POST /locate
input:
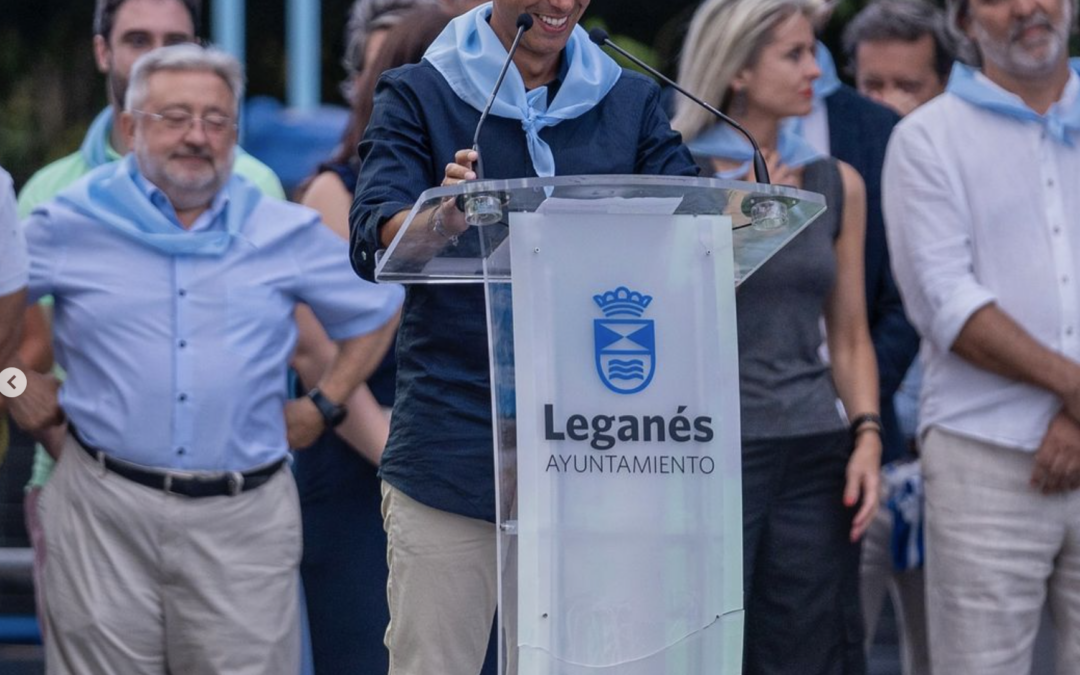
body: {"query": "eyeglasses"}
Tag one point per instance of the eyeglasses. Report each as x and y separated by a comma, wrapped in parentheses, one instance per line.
(213, 124)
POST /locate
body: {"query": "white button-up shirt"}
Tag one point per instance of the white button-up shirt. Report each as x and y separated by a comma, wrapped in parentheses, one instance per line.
(13, 263)
(982, 208)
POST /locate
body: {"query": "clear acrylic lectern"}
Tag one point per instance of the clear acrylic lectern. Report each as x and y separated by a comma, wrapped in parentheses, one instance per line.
(614, 370)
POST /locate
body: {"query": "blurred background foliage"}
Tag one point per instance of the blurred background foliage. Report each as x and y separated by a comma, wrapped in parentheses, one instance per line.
(50, 89)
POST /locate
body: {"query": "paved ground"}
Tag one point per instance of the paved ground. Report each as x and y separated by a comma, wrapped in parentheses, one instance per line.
(884, 659)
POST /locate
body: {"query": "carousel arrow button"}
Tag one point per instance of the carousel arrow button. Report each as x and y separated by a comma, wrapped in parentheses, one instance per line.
(12, 382)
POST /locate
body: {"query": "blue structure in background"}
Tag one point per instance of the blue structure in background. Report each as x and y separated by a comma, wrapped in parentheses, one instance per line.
(291, 142)
(303, 47)
(294, 140)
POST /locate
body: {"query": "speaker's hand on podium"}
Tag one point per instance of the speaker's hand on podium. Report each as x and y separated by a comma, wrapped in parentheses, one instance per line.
(448, 221)
(461, 169)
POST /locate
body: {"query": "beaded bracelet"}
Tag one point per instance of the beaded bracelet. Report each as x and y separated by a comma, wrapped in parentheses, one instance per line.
(437, 228)
(864, 422)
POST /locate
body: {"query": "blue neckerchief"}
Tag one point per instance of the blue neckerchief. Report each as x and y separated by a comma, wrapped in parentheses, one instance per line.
(95, 148)
(725, 142)
(1060, 121)
(829, 81)
(111, 196)
(469, 56)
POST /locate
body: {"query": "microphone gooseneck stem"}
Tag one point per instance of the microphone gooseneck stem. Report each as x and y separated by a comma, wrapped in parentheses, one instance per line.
(761, 170)
(524, 23)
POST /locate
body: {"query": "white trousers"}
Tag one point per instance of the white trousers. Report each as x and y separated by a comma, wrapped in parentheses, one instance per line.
(997, 550)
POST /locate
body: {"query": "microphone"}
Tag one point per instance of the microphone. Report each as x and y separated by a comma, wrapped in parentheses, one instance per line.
(487, 209)
(761, 171)
(766, 211)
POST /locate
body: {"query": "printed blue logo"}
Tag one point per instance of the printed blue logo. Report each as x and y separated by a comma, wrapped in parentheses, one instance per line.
(625, 347)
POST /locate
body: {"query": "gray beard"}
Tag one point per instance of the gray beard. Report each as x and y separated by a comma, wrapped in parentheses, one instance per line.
(1012, 58)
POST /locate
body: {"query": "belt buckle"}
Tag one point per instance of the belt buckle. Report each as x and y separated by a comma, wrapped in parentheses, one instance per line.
(235, 482)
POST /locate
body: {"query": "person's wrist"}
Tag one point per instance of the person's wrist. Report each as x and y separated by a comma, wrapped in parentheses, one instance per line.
(864, 423)
(332, 413)
(438, 227)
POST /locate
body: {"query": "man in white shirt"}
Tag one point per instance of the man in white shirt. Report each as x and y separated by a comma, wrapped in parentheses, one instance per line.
(978, 203)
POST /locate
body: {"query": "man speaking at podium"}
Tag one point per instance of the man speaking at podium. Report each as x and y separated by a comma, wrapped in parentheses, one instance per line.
(565, 108)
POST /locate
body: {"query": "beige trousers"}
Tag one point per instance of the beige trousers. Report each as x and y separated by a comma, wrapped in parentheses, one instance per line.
(441, 588)
(996, 551)
(142, 582)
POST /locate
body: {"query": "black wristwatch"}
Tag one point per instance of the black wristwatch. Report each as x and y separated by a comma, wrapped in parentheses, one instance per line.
(333, 414)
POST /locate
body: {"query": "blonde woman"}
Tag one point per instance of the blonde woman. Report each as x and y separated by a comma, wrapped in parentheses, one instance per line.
(810, 475)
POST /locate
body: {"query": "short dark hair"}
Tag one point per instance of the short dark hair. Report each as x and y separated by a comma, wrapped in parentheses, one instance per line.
(105, 15)
(904, 21)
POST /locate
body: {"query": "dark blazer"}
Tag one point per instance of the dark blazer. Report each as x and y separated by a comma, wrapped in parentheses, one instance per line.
(858, 133)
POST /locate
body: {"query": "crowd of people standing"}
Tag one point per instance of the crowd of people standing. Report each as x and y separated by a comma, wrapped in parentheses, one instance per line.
(244, 439)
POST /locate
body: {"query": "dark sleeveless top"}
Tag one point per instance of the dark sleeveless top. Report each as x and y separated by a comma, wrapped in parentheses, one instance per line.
(785, 388)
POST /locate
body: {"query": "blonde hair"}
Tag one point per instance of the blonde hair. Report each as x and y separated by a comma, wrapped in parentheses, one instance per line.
(725, 36)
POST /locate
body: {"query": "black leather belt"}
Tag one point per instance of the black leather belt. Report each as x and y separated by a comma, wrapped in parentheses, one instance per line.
(229, 483)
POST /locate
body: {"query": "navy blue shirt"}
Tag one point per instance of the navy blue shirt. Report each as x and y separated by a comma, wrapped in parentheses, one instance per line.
(440, 450)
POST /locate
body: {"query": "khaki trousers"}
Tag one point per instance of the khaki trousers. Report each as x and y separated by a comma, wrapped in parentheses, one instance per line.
(996, 551)
(144, 582)
(441, 588)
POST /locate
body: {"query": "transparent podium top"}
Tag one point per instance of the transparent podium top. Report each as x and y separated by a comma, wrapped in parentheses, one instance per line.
(458, 234)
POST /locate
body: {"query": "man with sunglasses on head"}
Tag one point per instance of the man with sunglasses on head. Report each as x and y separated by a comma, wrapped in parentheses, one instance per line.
(172, 521)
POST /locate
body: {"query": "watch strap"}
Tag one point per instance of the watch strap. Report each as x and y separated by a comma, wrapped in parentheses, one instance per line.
(333, 414)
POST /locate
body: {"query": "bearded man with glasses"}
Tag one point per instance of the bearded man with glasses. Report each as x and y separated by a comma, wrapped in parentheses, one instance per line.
(980, 211)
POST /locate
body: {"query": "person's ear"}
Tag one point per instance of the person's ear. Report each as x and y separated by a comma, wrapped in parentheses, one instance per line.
(127, 128)
(102, 54)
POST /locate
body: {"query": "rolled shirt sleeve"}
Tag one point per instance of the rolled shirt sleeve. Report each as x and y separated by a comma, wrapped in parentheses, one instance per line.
(345, 305)
(930, 236)
(396, 148)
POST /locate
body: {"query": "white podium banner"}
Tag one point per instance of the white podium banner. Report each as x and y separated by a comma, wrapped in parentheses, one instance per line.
(629, 524)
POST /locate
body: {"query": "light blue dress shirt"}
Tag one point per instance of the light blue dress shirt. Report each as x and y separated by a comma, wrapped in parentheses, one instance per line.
(180, 362)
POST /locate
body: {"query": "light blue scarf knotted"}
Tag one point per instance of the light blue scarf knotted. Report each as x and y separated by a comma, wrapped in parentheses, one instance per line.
(95, 148)
(111, 195)
(1060, 122)
(469, 55)
(724, 142)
